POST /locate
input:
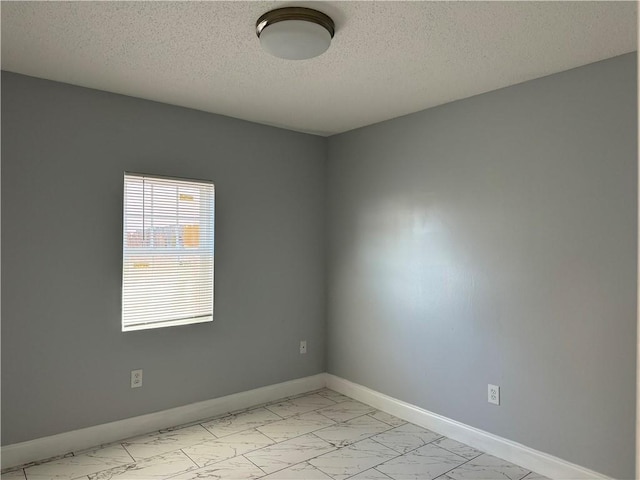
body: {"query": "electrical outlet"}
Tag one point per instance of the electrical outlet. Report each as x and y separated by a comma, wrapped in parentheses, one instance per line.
(136, 378)
(494, 394)
(303, 347)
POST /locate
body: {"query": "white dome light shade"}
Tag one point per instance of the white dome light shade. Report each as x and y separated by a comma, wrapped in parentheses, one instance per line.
(295, 33)
(295, 39)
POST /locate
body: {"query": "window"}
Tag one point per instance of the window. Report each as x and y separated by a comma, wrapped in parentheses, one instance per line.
(167, 252)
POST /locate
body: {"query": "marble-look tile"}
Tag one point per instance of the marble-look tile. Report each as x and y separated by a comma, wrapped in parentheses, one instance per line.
(238, 468)
(154, 444)
(238, 422)
(341, 412)
(355, 458)
(386, 418)
(407, 437)
(425, 463)
(282, 455)
(335, 396)
(80, 465)
(352, 431)
(155, 468)
(458, 448)
(15, 475)
(301, 471)
(295, 426)
(487, 467)
(371, 474)
(299, 405)
(535, 476)
(230, 446)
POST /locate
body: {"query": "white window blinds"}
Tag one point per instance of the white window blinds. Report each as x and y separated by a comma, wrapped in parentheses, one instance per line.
(167, 266)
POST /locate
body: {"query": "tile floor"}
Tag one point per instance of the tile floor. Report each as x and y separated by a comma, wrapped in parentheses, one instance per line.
(315, 436)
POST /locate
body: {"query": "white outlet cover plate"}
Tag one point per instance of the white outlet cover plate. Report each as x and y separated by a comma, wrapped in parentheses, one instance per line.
(493, 394)
(136, 378)
(303, 346)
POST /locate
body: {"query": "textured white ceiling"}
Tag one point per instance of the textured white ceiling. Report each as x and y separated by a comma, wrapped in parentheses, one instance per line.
(387, 58)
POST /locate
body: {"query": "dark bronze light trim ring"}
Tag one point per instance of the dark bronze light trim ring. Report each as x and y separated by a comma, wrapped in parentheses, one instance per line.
(294, 13)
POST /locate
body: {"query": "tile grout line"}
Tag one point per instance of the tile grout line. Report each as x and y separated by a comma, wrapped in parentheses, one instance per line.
(262, 433)
(419, 446)
(451, 469)
(382, 473)
(225, 459)
(24, 472)
(429, 443)
(432, 442)
(446, 449)
(464, 463)
(390, 448)
(292, 417)
(293, 438)
(24, 466)
(393, 426)
(186, 471)
(192, 460)
(320, 413)
(347, 446)
(181, 450)
(469, 460)
(372, 467)
(339, 423)
(243, 430)
(323, 428)
(257, 466)
(125, 449)
(358, 416)
(266, 407)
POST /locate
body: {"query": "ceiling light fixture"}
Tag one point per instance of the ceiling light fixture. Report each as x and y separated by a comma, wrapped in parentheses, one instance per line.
(295, 33)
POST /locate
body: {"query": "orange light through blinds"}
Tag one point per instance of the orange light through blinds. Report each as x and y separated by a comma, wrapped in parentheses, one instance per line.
(167, 266)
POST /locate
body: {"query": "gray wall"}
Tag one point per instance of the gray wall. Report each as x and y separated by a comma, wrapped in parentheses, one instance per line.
(493, 240)
(65, 362)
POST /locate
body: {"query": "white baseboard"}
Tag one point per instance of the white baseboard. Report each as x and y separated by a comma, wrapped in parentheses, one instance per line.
(76, 440)
(519, 454)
